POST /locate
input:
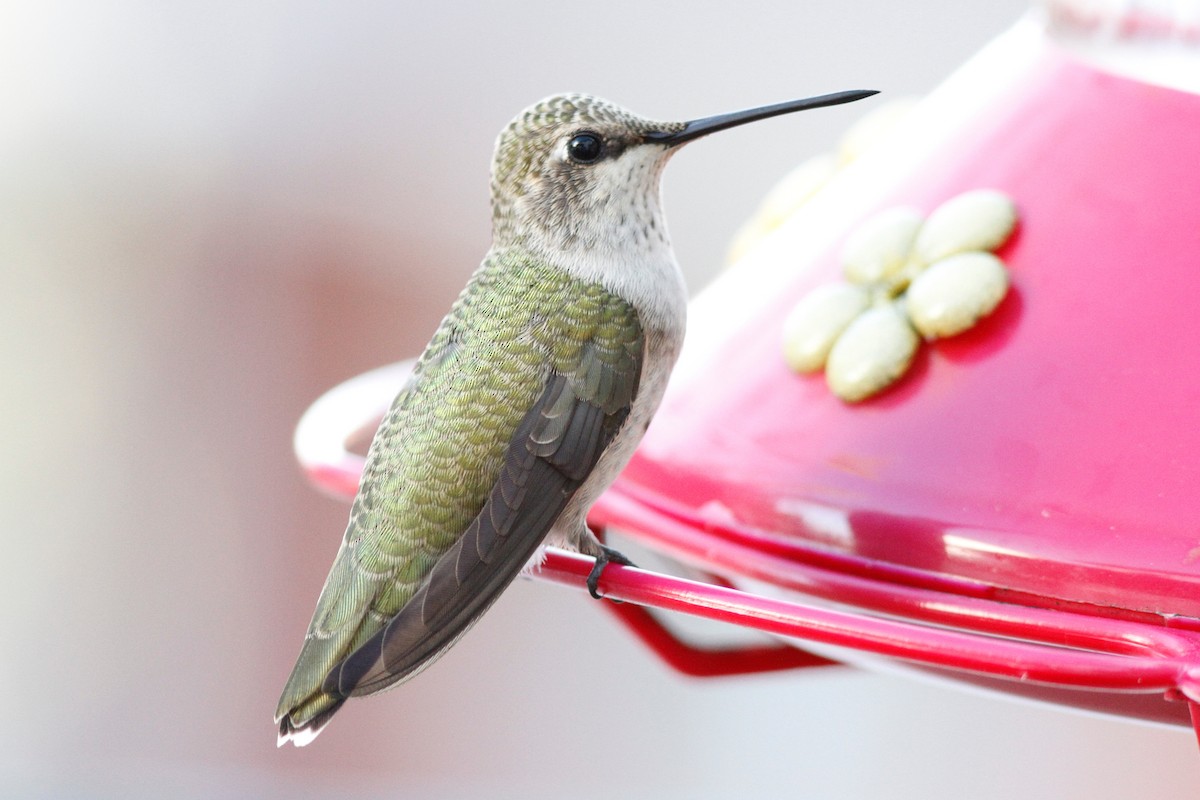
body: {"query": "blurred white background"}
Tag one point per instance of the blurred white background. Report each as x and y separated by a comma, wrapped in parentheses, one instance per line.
(212, 212)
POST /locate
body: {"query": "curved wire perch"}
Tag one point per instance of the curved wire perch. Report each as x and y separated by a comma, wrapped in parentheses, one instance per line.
(1158, 670)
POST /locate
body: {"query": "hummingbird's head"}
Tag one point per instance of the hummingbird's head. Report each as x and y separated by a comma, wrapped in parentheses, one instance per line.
(576, 172)
(571, 168)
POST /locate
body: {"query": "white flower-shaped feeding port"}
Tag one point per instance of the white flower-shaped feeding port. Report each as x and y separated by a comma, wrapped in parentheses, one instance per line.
(906, 277)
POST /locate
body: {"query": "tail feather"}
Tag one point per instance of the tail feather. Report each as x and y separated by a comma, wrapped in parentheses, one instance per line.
(301, 725)
(340, 622)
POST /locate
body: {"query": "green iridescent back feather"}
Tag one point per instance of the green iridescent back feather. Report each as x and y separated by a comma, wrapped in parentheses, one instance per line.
(438, 451)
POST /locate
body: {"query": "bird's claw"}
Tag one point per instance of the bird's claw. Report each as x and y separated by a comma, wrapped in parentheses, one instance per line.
(607, 554)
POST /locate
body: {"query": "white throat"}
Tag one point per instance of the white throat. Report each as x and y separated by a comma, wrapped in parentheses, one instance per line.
(620, 240)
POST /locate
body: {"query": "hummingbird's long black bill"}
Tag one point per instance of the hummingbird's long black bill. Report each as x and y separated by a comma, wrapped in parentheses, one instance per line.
(701, 127)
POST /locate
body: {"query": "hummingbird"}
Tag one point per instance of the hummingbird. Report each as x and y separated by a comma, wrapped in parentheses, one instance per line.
(525, 405)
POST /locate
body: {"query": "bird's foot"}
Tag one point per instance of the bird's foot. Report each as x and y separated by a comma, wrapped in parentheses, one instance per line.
(607, 554)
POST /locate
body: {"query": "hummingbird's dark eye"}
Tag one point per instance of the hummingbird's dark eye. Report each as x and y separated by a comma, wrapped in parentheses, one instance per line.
(585, 148)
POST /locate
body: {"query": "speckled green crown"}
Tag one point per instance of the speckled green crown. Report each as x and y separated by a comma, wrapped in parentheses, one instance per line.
(565, 109)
